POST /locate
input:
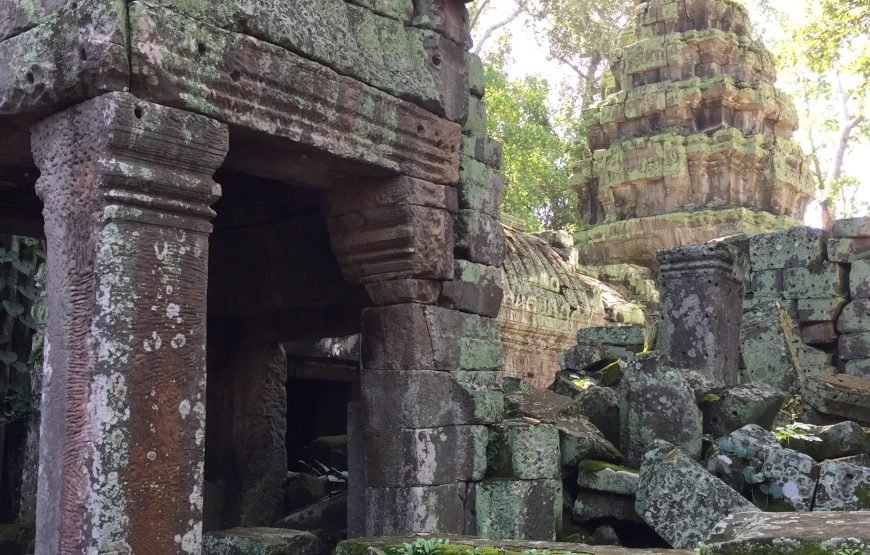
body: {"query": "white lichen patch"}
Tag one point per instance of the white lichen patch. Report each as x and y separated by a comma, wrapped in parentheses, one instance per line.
(184, 408)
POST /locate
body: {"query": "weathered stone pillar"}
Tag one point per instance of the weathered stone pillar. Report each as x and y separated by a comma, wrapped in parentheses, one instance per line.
(126, 186)
(700, 310)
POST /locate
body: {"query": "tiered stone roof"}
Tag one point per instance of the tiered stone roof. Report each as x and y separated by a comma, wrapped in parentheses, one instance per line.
(695, 124)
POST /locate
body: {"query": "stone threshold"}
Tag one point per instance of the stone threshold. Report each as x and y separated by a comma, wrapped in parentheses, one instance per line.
(461, 545)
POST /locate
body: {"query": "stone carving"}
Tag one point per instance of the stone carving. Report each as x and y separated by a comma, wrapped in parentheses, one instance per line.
(696, 124)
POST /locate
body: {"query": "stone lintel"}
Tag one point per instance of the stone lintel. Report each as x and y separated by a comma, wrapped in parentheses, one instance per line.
(126, 186)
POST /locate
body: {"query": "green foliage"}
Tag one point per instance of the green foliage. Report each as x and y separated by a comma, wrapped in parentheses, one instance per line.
(421, 546)
(850, 551)
(539, 148)
(795, 430)
(841, 27)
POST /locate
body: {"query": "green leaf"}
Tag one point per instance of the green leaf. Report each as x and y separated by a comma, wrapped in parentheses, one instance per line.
(13, 308)
(8, 357)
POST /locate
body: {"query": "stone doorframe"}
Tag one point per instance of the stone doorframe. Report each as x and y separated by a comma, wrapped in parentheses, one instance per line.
(127, 187)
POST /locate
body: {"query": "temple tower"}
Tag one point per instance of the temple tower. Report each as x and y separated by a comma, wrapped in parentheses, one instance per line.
(695, 141)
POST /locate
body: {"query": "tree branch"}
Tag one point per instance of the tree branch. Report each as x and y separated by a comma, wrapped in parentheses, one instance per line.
(496, 26)
(479, 10)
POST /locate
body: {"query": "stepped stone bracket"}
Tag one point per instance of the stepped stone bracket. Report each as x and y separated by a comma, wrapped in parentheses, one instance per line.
(701, 309)
(126, 187)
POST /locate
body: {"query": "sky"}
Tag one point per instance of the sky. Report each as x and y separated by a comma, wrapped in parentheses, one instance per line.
(529, 53)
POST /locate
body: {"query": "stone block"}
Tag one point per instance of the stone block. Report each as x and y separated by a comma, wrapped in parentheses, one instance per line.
(579, 439)
(404, 510)
(741, 405)
(767, 347)
(353, 196)
(630, 337)
(789, 481)
(845, 251)
(518, 509)
(828, 280)
(483, 149)
(790, 533)
(826, 309)
(426, 457)
(475, 288)
(475, 125)
(859, 279)
(596, 505)
(797, 247)
(842, 395)
(851, 227)
(700, 309)
(476, 76)
(582, 356)
(819, 333)
(656, 403)
(422, 337)
(766, 283)
(479, 238)
(262, 541)
(854, 346)
(680, 500)
(600, 476)
(840, 440)
(403, 291)
(860, 368)
(523, 451)
(429, 399)
(445, 17)
(855, 317)
(480, 187)
(326, 516)
(601, 406)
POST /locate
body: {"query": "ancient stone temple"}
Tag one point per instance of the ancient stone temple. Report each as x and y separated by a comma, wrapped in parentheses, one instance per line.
(695, 141)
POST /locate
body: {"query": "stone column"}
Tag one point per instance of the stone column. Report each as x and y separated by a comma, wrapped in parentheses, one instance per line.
(700, 310)
(126, 187)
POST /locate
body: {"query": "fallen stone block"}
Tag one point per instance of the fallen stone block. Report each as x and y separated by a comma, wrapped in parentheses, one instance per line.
(841, 395)
(605, 477)
(741, 454)
(583, 356)
(767, 347)
(790, 533)
(601, 406)
(262, 541)
(846, 250)
(860, 368)
(840, 440)
(656, 403)
(853, 346)
(328, 514)
(680, 500)
(595, 505)
(518, 509)
(741, 405)
(523, 451)
(329, 450)
(787, 481)
(855, 317)
(843, 487)
(462, 545)
(851, 227)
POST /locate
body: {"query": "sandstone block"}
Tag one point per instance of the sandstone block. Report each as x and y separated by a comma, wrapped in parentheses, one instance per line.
(789, 480)
(326, 516)
(859, 279)
(825, 309)
(476, 76)
(629, 337)
(840, 440)
(582, 356)
(656, 403)
(601, 406)
(595, 505)
(523, 451)
(843, 487)
(475, 125)
(794, 248)
(479, 238)
(680, 500)
(790, 533)
(860, 368)
(422, 337)
(766, 283)
(741, 405)
(426, 457)
(428, 399)
(475, 288)
(852, 227)
(262, 541)
(600, 476)
(352, 196)
(767, 347)
(854, 346)
(829, 280)
(845, 251)
(404, 510)
(842, 395)
(819, 333)
(855, 317)
(518, 509)
(483, 149)
(403, 291)
(480, 187)
(445, 17)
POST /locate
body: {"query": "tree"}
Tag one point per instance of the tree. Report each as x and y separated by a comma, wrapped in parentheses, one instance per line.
(538, 151)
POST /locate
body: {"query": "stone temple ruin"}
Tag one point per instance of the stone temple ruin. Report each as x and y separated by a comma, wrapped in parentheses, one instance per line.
(283, 315)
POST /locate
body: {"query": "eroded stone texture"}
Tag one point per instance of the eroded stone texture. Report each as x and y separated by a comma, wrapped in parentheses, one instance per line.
(741, 405)
(508, 547)
(833, 442)
(701, 307)
(843, 487)
(694, 123)
(797, 533)
(789, 480)
(767, 347)
(127, 187)
(656, 403)
(262, 541)
(415, 509)
(522, 509)
(680, 500)
(523, 451)
(844, 396)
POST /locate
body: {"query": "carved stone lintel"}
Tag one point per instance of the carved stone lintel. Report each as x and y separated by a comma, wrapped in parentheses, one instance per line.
(701, 307)
(126, 187)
